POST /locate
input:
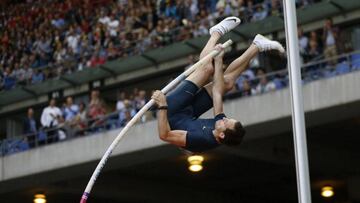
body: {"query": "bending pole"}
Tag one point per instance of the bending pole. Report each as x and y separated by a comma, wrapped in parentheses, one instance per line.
(146, 107)
(298, 121)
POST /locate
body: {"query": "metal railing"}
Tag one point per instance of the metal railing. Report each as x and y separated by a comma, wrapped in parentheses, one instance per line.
(311, 72)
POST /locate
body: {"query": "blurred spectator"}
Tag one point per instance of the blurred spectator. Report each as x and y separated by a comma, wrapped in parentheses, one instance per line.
(72, 40)
(9, 79)
(58, 22)
(112, 26)
(276, 7)
(28, 72)
(80, 120)
(120, 105)
(112, 51)
(330, 37)
(303, 43)
(247, 75)
(127, 113)
(140, 100)
(50, 118)
(96, 60)
(64, 129)
(264, 85)
(37, 77)
(30, 128)
(96, 108)
(82, 112)
(313, 51)
(19, 74)
(259, 14)
(246, 89)
(70, 110)
(126, 118)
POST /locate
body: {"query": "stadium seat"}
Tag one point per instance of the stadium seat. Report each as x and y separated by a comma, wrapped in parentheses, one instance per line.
(9, 83)
(342, 68)
(355, 61)
(279, 83)
(42, 136)
(15, 145)
(328, 73)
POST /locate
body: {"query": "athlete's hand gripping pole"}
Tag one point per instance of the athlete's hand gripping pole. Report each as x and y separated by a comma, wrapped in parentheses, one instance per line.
(146, 107)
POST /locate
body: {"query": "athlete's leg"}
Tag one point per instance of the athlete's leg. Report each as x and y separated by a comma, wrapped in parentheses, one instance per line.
(201, 76)
(259, 44)
(202, 101)
(235, 69)
(239, 65)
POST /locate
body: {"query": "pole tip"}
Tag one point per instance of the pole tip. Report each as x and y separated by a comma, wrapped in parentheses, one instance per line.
(84, 197)
(227, 43)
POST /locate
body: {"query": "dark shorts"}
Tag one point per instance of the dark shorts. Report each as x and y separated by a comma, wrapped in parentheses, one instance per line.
(187, 101)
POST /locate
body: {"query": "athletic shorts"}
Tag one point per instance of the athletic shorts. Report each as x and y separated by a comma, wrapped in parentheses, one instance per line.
(187, 100)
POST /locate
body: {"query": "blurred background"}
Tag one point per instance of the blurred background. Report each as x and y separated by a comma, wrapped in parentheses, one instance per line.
(73, 73)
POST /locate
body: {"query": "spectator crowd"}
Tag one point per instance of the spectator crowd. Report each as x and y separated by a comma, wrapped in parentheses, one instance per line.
(77, 119)
(43, 39)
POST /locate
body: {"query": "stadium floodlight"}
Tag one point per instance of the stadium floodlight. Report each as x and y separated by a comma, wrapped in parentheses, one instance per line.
(297, 106)
(139, 114)
(195, 162)
(327, 191)
(39, 198)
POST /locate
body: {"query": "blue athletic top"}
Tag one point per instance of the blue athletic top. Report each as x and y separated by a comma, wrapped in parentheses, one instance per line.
(186, 103)
(200, 135)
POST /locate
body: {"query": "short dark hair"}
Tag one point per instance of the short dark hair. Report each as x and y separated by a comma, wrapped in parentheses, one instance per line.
(234, 136)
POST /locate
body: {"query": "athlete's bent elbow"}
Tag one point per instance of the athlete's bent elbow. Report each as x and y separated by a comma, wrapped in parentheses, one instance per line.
(163, 136)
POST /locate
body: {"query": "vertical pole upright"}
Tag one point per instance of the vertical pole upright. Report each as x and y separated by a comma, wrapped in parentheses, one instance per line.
(298, 121)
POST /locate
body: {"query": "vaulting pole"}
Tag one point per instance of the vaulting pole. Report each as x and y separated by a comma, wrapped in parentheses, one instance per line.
(298, 121)
(165, 90)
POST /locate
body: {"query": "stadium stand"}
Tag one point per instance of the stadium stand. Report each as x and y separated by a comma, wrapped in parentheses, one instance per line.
(73, 31)
(38, 44)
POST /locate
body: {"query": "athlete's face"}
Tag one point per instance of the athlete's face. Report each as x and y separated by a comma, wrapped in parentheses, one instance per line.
(225, 123)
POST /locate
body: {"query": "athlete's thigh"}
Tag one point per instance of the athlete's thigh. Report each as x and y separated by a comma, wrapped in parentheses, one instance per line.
(181, 97)
(203, 99)
(202, 102)
(201, 75)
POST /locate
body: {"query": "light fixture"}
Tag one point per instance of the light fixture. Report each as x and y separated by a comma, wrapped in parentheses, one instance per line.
(327, 191)
(195, 163)
(39, 198)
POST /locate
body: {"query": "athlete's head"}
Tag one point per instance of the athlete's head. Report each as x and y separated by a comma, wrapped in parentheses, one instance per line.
(230, 131)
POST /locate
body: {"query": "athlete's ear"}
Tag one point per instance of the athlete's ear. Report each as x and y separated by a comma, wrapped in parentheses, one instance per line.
(222, 135)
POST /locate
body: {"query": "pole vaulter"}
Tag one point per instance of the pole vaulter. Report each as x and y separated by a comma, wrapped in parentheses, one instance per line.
(195, 87)
(143, 110)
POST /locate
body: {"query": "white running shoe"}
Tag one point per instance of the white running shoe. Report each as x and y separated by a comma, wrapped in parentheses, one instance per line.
(264, 44)
(225, 25)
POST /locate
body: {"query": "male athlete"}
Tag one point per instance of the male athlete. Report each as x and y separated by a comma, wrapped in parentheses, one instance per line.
(179, 111)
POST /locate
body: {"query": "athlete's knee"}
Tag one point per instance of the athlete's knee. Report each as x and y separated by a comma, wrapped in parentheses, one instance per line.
(208, 69)
(229, 83)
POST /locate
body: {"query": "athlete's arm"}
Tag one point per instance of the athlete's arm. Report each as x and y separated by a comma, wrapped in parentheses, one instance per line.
(175, 137)
(218, 87)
